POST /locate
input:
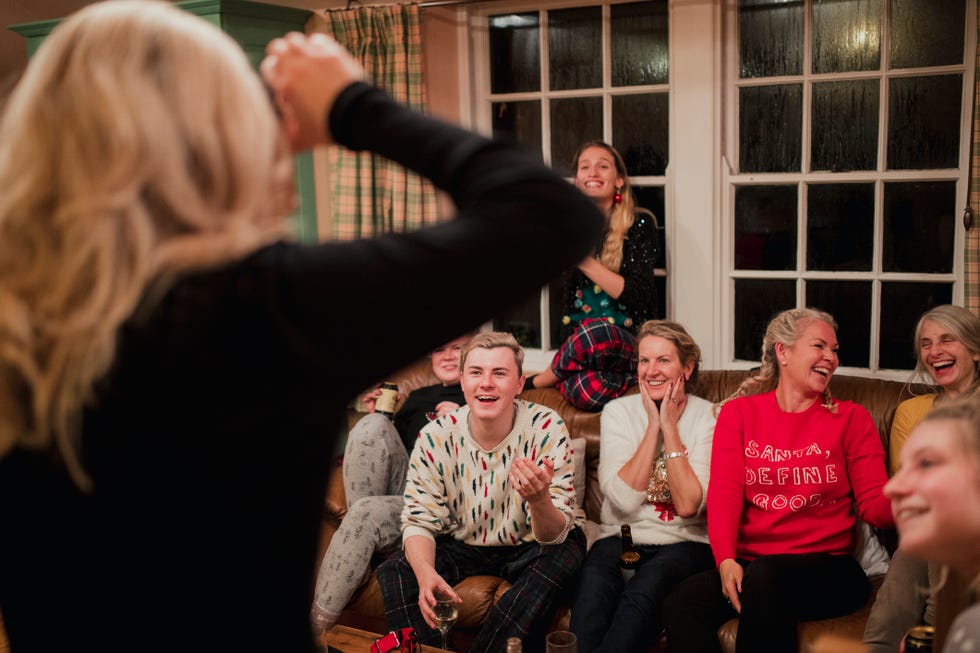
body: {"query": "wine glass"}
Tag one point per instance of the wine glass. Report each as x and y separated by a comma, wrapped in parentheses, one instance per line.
(446, 613)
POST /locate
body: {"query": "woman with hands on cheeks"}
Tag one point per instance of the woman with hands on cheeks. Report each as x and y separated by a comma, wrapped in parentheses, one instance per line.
(788, 468)
(653, 470)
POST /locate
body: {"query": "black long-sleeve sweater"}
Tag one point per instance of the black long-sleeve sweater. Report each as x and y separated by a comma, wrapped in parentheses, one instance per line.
(208, 441)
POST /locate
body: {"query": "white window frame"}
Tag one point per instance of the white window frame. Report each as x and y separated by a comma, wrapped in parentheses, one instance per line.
(730, 178)
(482, 99)
(698, 184)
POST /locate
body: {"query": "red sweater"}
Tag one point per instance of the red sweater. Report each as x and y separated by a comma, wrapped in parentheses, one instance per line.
(786, 482)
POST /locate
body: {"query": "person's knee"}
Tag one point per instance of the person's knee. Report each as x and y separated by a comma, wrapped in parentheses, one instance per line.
(361, 510)
(366, 430)
(372, 510)
(761, 576)
(374, 520)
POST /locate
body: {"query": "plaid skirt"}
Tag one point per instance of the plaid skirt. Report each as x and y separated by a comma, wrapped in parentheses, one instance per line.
(596, 364)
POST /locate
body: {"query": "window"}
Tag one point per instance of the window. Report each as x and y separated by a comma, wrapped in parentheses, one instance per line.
(814, 152)
(848, 153)
(555, 78)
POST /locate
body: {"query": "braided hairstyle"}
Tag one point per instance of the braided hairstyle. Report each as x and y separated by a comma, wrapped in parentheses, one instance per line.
(622, 216)
(785, 328)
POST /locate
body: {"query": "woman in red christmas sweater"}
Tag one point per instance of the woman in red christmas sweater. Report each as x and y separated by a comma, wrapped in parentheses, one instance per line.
(788, 469)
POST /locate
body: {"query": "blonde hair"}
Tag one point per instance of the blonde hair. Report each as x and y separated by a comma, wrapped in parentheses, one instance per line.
(622, 215)
(965, 411)
(492, 340)
(786, 329)
(139, 145)
(965, 326)
(688, 350)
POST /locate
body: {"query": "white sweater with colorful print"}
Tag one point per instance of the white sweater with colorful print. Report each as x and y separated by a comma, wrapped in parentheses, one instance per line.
(455, 487)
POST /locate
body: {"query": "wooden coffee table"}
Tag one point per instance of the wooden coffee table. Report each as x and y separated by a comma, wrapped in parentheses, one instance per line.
(352, 640)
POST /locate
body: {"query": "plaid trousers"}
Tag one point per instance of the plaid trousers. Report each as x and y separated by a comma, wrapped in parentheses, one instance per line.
(539, 575)
(595, 364)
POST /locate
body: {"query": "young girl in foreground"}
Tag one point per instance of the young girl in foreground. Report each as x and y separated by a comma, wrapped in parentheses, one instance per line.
(936, 501)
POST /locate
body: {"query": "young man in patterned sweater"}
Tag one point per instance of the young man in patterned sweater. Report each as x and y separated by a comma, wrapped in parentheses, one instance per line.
(489, 492)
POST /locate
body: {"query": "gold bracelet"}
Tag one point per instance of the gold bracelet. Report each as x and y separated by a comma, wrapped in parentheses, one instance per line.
(676, 454)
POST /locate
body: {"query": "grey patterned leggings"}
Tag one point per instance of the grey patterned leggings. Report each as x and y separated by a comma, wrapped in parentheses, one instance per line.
(375, 463)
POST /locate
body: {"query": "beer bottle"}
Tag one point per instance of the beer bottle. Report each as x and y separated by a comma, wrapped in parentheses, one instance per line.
(919, 639)
(385, 403)
(629, 559)
(514, 645)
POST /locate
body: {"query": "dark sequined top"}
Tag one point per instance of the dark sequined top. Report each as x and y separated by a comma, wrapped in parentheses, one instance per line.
(638, 301)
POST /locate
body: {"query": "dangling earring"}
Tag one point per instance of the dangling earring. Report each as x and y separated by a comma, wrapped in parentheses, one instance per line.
(618, 197)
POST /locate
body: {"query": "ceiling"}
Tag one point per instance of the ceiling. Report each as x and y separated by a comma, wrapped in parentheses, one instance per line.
(13, 48)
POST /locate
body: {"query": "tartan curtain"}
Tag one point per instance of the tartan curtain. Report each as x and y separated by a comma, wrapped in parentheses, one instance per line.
(972, 253)
(372, 195)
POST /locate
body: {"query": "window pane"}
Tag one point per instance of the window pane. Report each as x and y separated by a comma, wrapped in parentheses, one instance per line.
(573, 121)
(846, 35)
(639, 43)
(519, 122)
(840, 227)
(640, 132)
(765, 227)
(844, 132)
(514, 53)
(924, 122)
(756, 302)
(575, 48)
(850, 304)
(651, 198)
(770, 122)
(926, 32)
(770, 38)
(901, 306)
(524, 322)
(919, 220)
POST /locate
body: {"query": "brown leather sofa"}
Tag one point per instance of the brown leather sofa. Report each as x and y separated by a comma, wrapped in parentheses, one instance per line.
(366, 610)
